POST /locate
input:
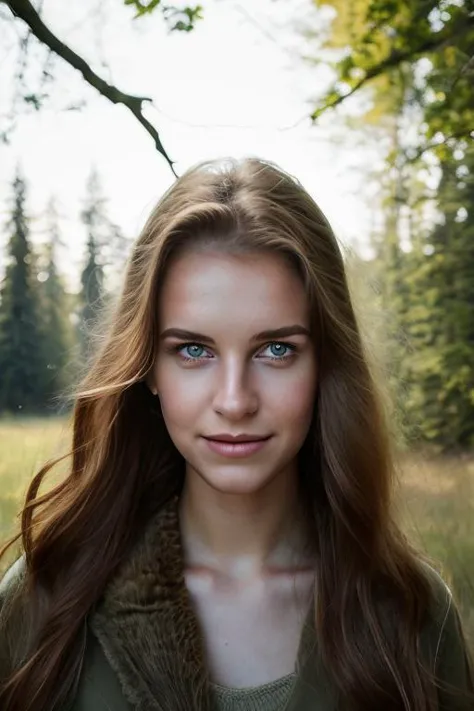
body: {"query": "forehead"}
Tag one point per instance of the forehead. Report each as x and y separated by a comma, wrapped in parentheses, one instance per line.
(214, 288)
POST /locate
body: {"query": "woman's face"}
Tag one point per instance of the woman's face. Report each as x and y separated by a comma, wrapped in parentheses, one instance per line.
(225, 379)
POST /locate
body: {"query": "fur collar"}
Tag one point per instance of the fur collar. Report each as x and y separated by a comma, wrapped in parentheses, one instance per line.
(150, 634)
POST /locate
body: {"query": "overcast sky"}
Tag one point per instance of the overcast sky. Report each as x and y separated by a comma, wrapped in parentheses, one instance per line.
(235, 86)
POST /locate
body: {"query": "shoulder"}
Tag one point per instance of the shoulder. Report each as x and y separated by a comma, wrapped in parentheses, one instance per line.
(441, 594)
(446, 647)
(442, 612)
(12, 579)
(13, 616)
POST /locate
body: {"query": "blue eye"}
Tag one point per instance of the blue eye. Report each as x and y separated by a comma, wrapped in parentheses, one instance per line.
(279, 355)
(195, 356)
(277, 347)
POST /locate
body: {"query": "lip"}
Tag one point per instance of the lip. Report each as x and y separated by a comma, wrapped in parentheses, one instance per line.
(224, 437)
(236, 449)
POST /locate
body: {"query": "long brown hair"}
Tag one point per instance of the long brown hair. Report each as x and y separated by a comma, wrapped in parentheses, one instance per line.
(371, 589)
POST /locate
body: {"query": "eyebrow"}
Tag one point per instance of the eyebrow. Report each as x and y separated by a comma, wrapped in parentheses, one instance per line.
(285, 331)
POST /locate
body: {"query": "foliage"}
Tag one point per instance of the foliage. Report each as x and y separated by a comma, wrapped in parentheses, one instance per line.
(440, 323)
(381, 37)
(414, 60)
(92, 277)
(55, 321)
(106, 253)
(177, 19)
(45, 330)
(23, 366)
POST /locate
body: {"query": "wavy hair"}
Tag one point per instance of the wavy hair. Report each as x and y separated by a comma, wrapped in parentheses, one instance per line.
(372, 592)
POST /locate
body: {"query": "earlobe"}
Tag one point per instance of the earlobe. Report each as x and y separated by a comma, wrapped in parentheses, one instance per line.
(151, 387)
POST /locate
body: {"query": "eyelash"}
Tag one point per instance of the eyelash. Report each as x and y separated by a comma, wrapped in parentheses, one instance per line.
(293, 348)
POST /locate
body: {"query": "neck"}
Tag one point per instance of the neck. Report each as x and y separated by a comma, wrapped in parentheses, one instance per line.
(243, 533)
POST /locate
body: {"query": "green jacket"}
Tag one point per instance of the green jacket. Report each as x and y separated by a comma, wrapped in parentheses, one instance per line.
(144, 650)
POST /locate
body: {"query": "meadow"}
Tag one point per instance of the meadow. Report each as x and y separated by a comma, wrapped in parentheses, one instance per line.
(435, 501)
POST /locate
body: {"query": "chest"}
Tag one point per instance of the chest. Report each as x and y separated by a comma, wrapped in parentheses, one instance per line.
(251, 631)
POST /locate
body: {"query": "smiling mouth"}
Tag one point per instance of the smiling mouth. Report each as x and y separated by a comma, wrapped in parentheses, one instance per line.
(236, 449)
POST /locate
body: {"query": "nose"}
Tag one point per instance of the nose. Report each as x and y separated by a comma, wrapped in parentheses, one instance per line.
(235, 395)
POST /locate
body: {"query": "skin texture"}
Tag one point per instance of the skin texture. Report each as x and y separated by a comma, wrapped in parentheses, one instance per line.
(248, 569)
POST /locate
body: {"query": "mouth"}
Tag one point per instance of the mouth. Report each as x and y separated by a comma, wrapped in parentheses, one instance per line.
(236, 449)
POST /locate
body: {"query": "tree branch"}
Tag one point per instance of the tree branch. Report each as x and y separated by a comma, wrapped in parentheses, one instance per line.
(467, 68)
(465, 133)
(434, 42)
(24, 10)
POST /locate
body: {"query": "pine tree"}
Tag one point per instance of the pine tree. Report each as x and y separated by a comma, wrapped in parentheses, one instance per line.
(441, 323)
(22, 361)
(92, 277)
(55, 316)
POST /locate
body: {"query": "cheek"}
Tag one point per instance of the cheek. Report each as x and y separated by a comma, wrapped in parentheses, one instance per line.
(295, 403)
(179, 405)
(182, 397)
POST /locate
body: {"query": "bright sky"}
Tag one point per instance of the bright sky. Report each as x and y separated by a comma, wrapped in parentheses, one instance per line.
(235, 86)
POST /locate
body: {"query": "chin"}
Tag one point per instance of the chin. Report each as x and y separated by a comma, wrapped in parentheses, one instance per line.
(237, 483)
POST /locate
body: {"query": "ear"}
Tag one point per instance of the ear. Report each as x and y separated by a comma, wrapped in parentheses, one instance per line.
(151, 385)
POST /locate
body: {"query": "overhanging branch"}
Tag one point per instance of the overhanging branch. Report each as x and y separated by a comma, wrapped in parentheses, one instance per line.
(466, 133)
(436, 41)
(24, 10)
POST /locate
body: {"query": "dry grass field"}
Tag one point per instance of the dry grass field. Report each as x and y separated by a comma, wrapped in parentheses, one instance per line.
(436, 500)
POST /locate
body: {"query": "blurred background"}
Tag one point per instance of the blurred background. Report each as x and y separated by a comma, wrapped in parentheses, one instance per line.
(369, 103)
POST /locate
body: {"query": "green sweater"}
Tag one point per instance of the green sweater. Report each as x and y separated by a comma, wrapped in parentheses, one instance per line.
(269, 697)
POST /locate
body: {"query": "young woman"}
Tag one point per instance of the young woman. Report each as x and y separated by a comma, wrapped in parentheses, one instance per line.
(224, 539)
